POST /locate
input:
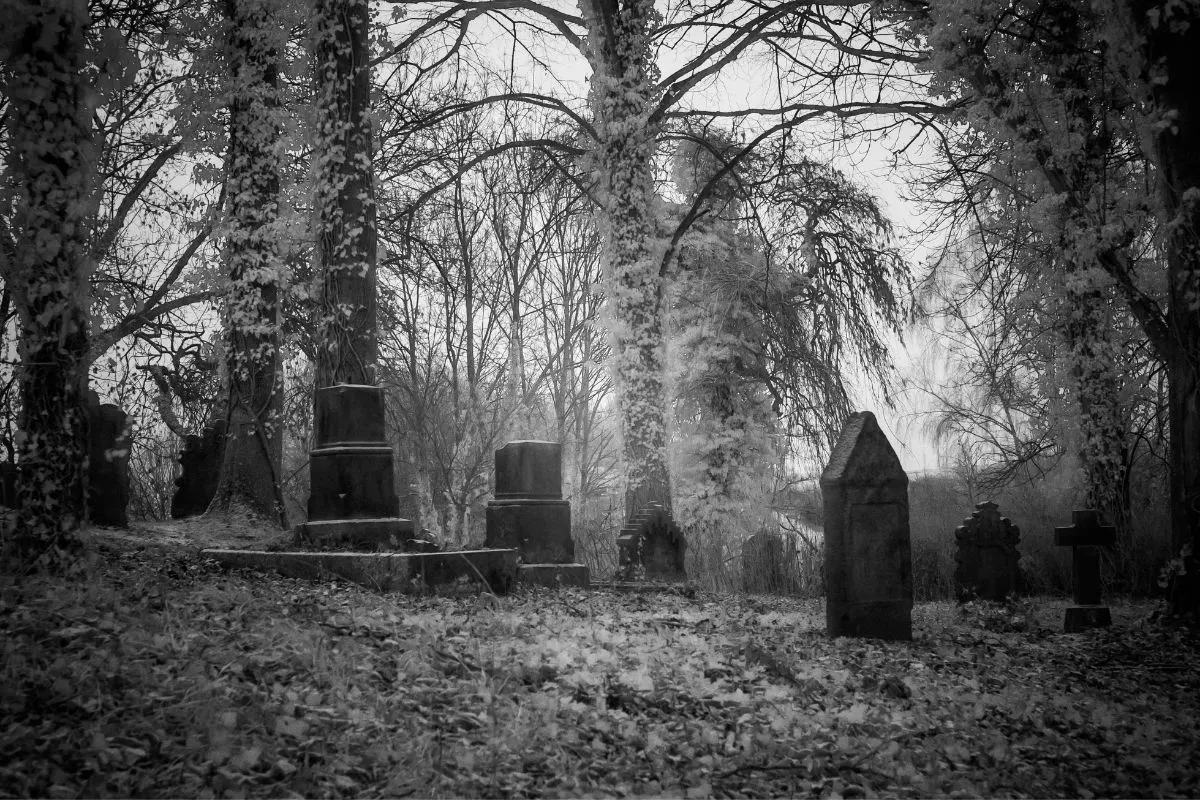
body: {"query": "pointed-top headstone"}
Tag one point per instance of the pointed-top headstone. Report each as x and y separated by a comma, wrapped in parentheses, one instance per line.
(868, 560)
(863, 455)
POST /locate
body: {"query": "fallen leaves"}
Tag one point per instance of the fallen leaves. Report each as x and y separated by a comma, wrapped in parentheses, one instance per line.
(171, 679)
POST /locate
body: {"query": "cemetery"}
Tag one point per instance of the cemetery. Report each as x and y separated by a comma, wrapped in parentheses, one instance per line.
(611, 398)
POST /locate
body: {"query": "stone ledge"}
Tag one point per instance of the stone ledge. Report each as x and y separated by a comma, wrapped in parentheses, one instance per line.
(388, 533)
(685, 588)
(553, 575)
(386, 572)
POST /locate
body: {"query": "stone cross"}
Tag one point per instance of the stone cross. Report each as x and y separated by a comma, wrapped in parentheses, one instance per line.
(868, 557)
(1085, 538)
(987, 555)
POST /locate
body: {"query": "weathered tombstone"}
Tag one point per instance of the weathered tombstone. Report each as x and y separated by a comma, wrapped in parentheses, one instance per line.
(108, 463)
(1085, 538)
(987, 555)
(651, 547)
(529, 514)
(200, 462)
(769, 564)
(868, 558)
(8, 484)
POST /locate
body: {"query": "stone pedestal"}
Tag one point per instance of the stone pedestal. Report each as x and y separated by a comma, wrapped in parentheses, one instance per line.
(1085, 538)
(352, 497)
(868, 557)
(529, 514)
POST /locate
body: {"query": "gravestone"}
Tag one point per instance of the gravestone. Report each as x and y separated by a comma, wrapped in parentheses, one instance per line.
(200, 462)
(8, 484)
(108, 463)
(1085, 538)
(868, 558)
(529, 514)
(987, 555)
(769, 564)
(651, 547)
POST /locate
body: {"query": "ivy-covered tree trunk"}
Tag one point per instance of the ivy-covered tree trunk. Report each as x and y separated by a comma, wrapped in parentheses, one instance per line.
(622, 99)
(251, 468)
(345, 195)
(1172, 42)
(51, 158)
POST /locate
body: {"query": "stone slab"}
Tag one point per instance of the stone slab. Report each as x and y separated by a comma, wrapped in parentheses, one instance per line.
(553, 575)
(412, 573)
(364, 534)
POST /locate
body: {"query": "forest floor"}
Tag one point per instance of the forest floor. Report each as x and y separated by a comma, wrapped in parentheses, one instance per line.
(153, 673)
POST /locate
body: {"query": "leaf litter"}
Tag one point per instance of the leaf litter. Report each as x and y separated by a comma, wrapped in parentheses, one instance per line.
(161, 675)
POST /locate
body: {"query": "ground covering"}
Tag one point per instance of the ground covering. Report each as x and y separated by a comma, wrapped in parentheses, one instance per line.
(154, 673)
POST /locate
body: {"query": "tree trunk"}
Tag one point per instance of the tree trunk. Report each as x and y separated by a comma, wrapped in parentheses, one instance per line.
(1174, 46)
(345, 195)
(51, 158)
(622, 99)
(252, 464)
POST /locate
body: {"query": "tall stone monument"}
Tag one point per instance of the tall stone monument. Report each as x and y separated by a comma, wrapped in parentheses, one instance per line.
(868, 559)
(986, 559)
(530, 515)
(352, 494)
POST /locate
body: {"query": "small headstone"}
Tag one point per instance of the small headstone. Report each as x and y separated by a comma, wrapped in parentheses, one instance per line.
(1085, 538)
(987, 555)
(651, 547)
(8, 484)
(529, 514)
(201, 469)
(769, 564)
(868, 558)
(108, 463)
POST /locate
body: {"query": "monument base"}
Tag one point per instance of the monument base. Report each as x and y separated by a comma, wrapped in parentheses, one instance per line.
(553, 575)
(890, 619)
(1082, 618)
(540, 529)
(387, 534)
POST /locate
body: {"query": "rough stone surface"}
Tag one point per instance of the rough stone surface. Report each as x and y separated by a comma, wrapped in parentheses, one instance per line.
(412, 573)
(868, 559)
(651, 547)
(200, 463)
(1085, 538)
(108, 463)
(987, 555)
